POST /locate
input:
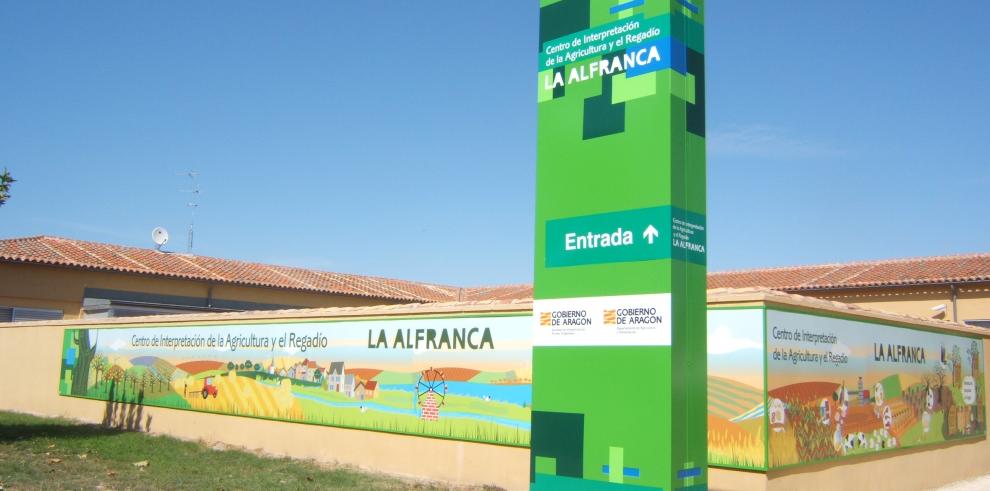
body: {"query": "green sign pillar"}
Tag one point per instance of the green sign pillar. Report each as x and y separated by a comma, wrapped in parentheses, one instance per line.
(619, 383)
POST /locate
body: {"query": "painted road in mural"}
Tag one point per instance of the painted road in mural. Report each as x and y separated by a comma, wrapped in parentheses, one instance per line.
(839, 387)
(465, 378)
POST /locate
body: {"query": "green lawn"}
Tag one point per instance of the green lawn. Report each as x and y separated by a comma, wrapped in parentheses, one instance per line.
(44, 453)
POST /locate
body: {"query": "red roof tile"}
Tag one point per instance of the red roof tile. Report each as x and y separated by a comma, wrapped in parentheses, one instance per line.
(58, 251)
(501, 292)
(864, 274)
(891, 272)
(108, 257)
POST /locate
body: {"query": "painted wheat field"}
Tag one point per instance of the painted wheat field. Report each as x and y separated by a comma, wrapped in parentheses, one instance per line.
(735, 424)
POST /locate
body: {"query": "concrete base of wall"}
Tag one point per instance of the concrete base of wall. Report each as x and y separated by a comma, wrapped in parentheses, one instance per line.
(922, 468)
(733, 480)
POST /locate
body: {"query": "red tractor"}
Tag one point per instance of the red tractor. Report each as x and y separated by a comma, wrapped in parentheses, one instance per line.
(208, 388)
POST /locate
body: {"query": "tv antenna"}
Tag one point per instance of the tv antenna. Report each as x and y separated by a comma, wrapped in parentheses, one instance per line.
(192, 205)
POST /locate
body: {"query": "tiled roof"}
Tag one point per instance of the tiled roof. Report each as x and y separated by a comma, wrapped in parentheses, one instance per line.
(107, 257)
(891, 272)
(501, 292)
(728, 296)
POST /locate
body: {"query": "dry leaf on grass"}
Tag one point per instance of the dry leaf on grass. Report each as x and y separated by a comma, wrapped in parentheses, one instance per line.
(111, 473)
(142, 464)
(54, 461)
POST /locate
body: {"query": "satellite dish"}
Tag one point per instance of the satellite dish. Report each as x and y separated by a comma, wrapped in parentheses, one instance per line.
(160, 236)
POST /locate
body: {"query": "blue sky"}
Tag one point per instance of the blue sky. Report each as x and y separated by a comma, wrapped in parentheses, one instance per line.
(398, 138)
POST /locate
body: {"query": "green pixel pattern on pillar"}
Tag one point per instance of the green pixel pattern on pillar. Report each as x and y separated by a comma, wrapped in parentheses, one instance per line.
(619, 394)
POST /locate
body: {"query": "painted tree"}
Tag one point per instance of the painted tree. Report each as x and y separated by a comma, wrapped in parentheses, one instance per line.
(257, 367)
(165, 372)
(230, 365)
(974, 357)
(97, 368)
(940, 375)
(5, 182)
(956, 359)
(123, 384)
(115, 375)
(80, 372)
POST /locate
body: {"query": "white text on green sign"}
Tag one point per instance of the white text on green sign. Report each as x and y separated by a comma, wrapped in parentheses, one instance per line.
(641, 234)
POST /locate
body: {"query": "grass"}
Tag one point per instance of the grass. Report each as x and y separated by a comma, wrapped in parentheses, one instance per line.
(46, 453)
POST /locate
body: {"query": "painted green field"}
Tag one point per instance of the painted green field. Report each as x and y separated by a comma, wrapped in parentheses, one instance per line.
(460, 429)
(728, 398)
(453, 403)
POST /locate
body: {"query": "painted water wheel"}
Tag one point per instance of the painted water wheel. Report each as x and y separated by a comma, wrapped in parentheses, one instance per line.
(432, 382)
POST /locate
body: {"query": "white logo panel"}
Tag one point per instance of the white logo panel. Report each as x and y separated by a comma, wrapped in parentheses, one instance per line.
(623, 320)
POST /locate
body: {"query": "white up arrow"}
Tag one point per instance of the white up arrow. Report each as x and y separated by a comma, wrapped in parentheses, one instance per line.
(650, 233)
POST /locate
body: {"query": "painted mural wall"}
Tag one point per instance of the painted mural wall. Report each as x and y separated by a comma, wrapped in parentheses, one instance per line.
(840, 387)
(736, 427)
(463, 378)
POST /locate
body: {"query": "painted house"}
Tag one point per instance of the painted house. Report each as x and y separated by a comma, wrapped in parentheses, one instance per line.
(335, 378)
(314, 370)
(347, 388)
(365, 390)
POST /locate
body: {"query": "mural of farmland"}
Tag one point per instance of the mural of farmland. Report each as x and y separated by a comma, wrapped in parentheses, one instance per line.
(458, 378)
(841, 388)
(736, 428)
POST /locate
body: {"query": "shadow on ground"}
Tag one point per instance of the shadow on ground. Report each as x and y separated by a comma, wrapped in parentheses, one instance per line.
(118, 417)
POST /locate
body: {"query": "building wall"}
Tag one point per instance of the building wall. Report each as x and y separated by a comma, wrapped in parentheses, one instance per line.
(34, 351)
(38, 345)
(48, 287)
(913, 468)
(972, 302)
(916, 468)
